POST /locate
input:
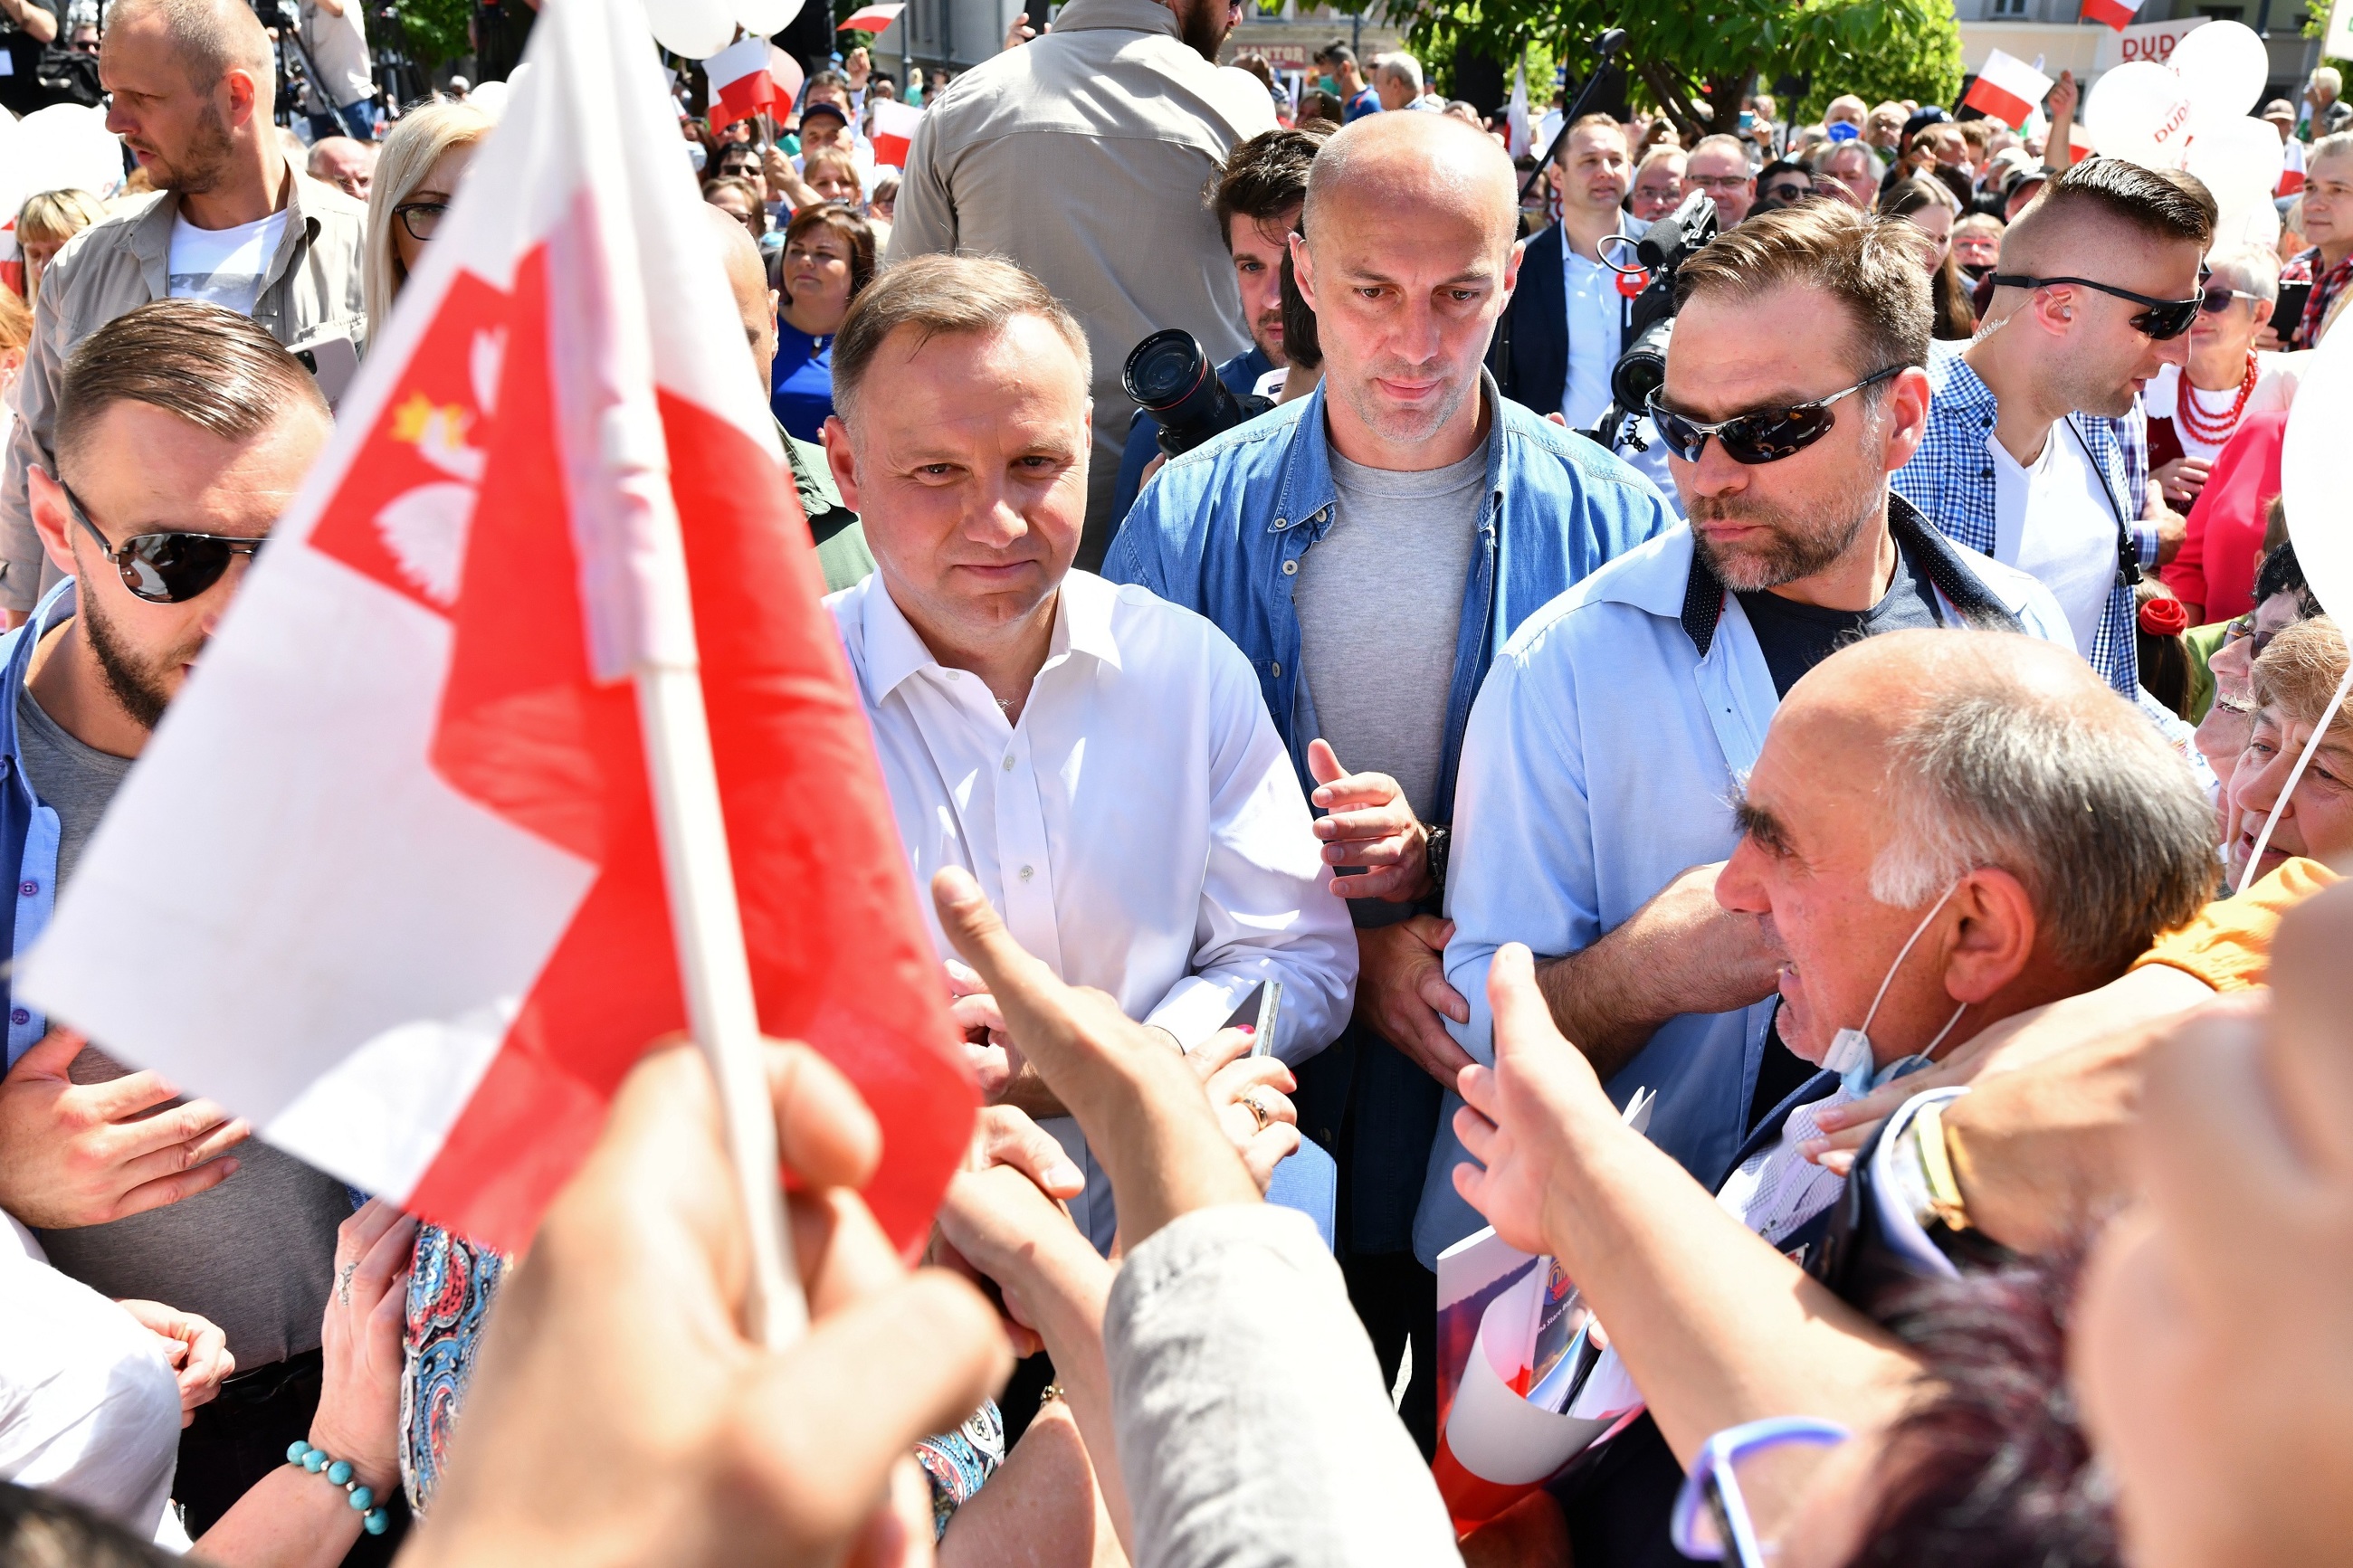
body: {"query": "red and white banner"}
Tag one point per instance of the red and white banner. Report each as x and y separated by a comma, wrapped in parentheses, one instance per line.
(2142, 41)
(422, 930)
(2117, 13)
(2291, 180)
(872, 18)
(894, 130)
(741, 85)
(2007, 89)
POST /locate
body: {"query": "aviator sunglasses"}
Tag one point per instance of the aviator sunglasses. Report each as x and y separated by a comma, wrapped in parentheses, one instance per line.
(1760, 435)
(2163, 319)
(170, 567)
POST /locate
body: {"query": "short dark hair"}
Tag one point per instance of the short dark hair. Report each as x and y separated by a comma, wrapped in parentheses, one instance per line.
(2158, 204)
(1301, 344)
(211, 367)
(1338, 52)
(943, 295)
(1264, 179)
(1871, 267)
(1606, 122)
(1319, 107)
(855, 231)
(2279, 573)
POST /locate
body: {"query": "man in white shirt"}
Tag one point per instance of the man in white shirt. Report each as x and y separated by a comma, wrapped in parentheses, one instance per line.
(1566, 321)
(334, 35)
(1100, 759)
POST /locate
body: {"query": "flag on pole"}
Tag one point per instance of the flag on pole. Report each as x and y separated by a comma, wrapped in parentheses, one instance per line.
(423, 932)
(741, 85)
(894, 130)
(2007, 89)
(2117, 13)
(1515, 114)
(872, 19)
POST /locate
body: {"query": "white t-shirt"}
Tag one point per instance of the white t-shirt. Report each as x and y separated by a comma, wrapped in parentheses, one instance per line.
(338, 47)
(223, 266)
(2053, 521)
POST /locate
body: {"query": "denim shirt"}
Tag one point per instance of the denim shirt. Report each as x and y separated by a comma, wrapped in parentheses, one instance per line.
(28, 828)
(1222, 529)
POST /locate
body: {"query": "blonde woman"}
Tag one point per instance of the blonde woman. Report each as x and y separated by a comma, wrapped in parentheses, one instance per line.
(46, 221)
(417, 177)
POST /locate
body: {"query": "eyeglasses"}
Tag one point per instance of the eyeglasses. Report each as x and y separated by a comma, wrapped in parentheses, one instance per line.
(1761, 435)
(2243, 629)
(2162, 320)
(1786, 191)
(1710, 1520)
(420, 218)
(1717, 182)
(170, 567)
(2217, 299)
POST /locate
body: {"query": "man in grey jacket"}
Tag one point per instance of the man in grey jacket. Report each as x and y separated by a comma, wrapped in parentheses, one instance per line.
(193, 83)
(1082, 156)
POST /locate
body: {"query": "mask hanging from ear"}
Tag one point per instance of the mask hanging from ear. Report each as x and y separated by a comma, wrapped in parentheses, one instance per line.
(1851, 1054)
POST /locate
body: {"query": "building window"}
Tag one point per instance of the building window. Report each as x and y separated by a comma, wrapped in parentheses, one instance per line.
(2008, 9)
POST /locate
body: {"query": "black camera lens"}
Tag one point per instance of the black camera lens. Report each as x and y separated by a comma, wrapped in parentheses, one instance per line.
(1164, 369)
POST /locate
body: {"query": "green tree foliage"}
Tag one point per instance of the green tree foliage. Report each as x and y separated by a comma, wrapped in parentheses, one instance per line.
(1682, 56)
(436, 29)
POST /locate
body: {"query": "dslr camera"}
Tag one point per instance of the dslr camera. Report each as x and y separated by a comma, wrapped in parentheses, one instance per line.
(1642, 367)
(1172, 380)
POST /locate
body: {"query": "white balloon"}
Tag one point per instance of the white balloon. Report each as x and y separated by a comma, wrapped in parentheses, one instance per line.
(2319, 505)
(2258, 225)
(2141, 112)
(490, 97)
(62, 147)
(2224, 65)
(2239, 160)
(695, 29)
(766, 17)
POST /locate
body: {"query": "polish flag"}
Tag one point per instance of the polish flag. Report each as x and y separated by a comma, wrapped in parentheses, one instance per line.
(2291, 180)
(2117, 13)
(872, 19)
(740, 84)
(894, 130)
(2007, 88)
(399, 886)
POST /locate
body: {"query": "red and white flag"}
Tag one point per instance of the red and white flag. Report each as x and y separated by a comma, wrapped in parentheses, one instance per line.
(872, 18)
(2291, 180)
(391, 865)
(741, 85)
(2007, 89)
(2117, 13)
(894, 130)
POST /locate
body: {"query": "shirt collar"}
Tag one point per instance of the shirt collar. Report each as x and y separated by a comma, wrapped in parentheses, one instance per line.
(895, 650)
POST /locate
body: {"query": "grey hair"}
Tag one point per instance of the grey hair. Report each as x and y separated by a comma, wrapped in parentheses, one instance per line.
(2254, 268)
(1403, 67)
(2096, 815)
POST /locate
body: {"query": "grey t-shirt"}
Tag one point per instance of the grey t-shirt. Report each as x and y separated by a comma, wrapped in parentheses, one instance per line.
(255, 1254)
(1380, 602)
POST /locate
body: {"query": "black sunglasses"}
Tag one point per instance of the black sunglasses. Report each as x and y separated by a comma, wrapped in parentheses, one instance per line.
(169, 568)
(1786, 191)
(2162, 320)
(1760, 435)
(420, 218)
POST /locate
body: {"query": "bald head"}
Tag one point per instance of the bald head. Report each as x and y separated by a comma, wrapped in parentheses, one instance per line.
(747, 280)
(208, 38)
(1401, 169)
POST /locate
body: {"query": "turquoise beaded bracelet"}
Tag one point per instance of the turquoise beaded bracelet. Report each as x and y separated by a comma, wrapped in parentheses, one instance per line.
(339, 1472)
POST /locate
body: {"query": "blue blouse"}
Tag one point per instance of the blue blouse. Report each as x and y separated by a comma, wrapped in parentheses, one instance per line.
(800, 390)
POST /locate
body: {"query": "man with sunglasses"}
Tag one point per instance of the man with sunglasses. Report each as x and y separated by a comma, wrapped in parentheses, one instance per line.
(182, 432)
(2036, 451)
(238, 224)
(1609, 737)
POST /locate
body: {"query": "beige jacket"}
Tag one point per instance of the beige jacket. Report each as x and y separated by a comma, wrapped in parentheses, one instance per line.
(1083, 156)
(311, 294)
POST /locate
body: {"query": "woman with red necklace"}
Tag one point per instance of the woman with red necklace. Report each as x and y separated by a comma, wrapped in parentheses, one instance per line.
(2195, 409)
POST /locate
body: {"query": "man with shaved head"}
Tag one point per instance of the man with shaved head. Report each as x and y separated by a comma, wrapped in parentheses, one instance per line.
(2036, 450)
(346, 164)
(1608, 744)
(234, 222)
(840, 539)
(1944, 830)
(1370, 547)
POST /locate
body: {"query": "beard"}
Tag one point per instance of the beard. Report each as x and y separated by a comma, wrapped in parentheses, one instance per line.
(198, 169)
(1401, 425)
(1202, 25)
(139, 683)
(1794, 546)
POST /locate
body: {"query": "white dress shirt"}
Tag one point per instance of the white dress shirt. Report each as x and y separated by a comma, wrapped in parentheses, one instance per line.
(1140, 829)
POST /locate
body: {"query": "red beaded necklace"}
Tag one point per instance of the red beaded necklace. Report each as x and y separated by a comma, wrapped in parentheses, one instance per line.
(2195, 421)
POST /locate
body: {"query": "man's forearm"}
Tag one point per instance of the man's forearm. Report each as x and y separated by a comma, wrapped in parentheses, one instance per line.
(1603, 1004)
(38, 24)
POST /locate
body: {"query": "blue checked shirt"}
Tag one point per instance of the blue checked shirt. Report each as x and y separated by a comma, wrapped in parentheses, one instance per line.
(1950, 479)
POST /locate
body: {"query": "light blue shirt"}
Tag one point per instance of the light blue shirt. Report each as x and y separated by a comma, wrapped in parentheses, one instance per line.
(1596, 311)
(1601, 760)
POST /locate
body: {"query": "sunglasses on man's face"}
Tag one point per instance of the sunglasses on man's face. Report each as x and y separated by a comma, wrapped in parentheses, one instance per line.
(2162, 320)
(1789, 190)
(1761, 435)
(170, 567)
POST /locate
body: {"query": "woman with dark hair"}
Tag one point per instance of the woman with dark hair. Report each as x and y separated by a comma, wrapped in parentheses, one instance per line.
(829, 260)
(1929, 207)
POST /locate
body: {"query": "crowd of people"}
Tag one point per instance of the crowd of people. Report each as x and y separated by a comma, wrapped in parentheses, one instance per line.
(1894, 752)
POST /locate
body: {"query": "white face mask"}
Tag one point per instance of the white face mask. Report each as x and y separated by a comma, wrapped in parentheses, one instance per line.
(1851, 1054)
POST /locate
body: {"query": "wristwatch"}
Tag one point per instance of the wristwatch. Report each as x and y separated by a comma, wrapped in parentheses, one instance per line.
(1440, 843)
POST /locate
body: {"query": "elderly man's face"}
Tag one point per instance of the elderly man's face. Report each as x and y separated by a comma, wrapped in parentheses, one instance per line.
(1658, 189)
(966, 460)
(1884, 127)
(344, 163)
(1724, 176)
(1845, 175)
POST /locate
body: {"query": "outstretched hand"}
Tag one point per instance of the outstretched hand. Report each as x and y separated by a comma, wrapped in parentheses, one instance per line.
(1368, 824)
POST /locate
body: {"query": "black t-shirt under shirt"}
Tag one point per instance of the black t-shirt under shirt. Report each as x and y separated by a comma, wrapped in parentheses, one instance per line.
(1794, 637)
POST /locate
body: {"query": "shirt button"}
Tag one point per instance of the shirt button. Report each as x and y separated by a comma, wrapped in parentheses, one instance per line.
(27, 888)
(20, 1016)
(1008, 762)
(1290, 568)
(954, 674)
(1278, 670)
(1027, 872)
